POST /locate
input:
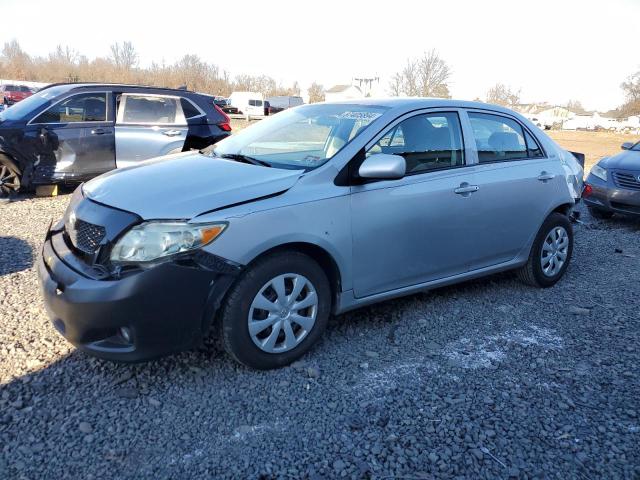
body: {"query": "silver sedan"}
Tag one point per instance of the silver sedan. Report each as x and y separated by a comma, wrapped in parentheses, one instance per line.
(318, 210)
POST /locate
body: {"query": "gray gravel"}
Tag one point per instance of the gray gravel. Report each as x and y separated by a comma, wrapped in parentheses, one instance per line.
(490, 379)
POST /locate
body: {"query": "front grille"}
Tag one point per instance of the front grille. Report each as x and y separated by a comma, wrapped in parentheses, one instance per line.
(85, 236)
(626, 180)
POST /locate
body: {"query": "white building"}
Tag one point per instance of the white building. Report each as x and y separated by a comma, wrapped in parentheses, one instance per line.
(343, 92)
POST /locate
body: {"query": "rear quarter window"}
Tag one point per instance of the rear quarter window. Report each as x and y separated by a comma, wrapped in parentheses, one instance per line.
(189, 109)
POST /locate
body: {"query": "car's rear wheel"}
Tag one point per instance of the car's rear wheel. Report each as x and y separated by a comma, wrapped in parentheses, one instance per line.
(9, 178)
(550, 254)
(600, 213)
(276, 311)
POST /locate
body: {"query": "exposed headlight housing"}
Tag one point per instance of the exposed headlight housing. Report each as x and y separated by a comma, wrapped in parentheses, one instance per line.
(151, 241)
(598, 171)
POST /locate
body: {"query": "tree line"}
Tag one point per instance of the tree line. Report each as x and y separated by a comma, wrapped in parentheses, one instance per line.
(122, 66)
(428, 75)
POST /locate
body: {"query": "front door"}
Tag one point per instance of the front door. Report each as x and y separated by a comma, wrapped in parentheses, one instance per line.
(75, 138)
(415, 229)
(148, 126)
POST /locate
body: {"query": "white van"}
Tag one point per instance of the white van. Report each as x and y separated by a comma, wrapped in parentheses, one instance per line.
(250, 104)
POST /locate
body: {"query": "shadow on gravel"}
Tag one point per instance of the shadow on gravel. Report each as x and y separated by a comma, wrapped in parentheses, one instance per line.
(30, 196)
(15, 255)
(629, 222)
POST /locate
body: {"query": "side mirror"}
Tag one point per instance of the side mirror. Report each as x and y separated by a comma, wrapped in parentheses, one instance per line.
(383, 166)
(627, 145)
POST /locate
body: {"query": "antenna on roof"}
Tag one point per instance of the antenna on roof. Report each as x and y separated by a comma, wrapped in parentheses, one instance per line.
(182, 87)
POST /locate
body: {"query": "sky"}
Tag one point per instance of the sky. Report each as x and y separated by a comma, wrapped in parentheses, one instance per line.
(551, 50)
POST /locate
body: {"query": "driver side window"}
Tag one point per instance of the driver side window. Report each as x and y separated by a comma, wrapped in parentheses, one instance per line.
(84, 107)
(427, 142)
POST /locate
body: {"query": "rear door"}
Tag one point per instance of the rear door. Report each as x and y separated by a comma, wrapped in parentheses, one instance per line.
(148, 126)
(517, 185)
(75, 136)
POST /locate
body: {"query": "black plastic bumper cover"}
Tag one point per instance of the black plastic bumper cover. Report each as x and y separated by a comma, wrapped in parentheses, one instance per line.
(166, 308)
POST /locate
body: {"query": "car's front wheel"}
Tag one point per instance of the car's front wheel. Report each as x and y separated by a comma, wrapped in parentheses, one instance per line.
(550, 254)
(276, 311)
(9, 178)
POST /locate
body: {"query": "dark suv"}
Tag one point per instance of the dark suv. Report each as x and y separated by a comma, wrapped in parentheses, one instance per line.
(69, 133)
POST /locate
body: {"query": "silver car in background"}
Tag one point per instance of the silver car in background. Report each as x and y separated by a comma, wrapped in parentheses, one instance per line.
(316, 211)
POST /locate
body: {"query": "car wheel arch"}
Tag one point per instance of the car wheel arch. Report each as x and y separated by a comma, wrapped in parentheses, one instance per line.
(326, 261)
(564, 209)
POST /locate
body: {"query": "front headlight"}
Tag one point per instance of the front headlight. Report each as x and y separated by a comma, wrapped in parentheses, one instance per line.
(599, 172)
(151, 241)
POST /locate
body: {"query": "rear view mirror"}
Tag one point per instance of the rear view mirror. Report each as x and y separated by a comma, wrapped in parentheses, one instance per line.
(627, 145)
(324, 121)
(383, 166)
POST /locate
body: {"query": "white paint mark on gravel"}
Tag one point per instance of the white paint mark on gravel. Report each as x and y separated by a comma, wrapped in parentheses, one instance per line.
(467, 353)
(482, 352)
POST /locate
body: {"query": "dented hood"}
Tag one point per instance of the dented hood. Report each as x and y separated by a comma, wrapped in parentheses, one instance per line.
(185, 185)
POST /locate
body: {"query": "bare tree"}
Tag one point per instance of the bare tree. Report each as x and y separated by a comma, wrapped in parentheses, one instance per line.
(316, 93)
(427, 76)
(16, 63)
(500, 94)
(395, 85)
(575, 106)
(433, 75)
(64, 55)
(124, 56)
(631, 87)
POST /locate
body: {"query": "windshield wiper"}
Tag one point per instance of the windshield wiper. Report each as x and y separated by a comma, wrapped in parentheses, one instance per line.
(244, 158)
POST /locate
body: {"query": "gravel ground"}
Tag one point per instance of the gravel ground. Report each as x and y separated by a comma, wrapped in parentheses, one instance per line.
(489, 379)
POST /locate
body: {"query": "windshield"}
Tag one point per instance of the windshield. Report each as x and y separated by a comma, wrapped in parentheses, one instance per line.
(303, 137)
(636, 147)
(21, 109)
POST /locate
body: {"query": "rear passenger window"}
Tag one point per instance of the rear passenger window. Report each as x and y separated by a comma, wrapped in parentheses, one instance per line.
(497, 138)
(427, 142)
(150, 110)
(189, 109)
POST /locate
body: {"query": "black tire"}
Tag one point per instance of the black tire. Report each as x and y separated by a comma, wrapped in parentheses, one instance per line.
(599, 213)
(532, 273)
(10, 178)
(233, 319)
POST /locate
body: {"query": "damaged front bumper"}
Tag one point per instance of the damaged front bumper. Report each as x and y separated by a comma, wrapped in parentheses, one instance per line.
(132, 316)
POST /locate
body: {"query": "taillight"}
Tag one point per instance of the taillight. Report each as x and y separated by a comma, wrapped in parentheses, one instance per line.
(587, 190)
(226, 124)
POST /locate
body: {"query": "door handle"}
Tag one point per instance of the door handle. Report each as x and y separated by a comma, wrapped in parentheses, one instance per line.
(544, 176)
(465, 189)
(171, 133)
(98, 131)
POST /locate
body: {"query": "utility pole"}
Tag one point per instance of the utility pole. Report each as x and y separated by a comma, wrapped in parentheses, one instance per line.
(367, 82)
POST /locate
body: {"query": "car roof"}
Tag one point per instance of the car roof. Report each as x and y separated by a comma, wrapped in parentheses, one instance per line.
(423, 102)
(116, 85)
